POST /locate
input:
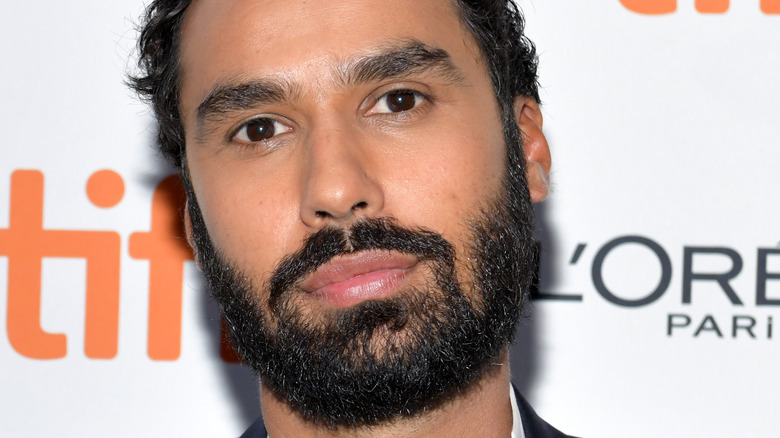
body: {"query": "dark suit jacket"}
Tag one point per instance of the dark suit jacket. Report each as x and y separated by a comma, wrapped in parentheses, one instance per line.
(533, 426)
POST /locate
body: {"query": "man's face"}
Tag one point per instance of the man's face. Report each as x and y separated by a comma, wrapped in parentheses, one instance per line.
(324, 118)
(338, 144)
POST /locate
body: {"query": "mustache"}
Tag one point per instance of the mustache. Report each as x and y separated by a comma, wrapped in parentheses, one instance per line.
(363, 235)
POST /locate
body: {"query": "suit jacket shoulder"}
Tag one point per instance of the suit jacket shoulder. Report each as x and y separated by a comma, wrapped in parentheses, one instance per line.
(256, 430)
(533, 426)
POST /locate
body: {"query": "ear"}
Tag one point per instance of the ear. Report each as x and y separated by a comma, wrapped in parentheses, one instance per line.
(188, 233)
(537, 152)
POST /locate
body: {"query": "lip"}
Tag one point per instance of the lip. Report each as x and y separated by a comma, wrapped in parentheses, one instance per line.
(353, 278)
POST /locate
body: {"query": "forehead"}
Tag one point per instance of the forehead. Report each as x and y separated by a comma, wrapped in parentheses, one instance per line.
(300, 40)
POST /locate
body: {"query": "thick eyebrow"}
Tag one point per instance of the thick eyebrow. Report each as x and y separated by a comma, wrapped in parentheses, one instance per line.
(408, 58)
(227, 97)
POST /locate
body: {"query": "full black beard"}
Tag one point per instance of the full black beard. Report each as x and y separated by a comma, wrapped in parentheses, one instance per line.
(382, 359)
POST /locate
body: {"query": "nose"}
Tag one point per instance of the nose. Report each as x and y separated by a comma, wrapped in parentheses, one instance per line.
(339, 179)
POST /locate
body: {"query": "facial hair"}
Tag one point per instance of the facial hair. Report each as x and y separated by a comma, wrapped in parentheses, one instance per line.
(395, 357)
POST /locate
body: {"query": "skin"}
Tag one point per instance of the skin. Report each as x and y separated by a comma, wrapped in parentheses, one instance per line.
(339, 155)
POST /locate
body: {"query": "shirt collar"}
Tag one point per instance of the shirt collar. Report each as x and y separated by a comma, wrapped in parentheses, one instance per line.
(517, 422)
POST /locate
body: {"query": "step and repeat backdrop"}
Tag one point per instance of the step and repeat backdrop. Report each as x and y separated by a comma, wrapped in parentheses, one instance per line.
(658, 307)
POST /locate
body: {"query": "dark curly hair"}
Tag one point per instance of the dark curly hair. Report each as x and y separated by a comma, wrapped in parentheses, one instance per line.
(497, 26)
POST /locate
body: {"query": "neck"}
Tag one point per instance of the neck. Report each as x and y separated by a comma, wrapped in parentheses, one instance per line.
(484, 410)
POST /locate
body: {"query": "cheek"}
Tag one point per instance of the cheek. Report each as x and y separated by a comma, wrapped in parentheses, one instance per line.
(253, 225)
(450, 183)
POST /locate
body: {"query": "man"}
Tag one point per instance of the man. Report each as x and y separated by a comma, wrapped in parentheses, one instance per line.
(359, 201)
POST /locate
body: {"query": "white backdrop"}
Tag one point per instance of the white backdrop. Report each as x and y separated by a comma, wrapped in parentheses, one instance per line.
(665, 132)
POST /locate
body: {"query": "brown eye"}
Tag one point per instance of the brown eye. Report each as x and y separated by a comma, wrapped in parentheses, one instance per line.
(260, 129)
(398, 101)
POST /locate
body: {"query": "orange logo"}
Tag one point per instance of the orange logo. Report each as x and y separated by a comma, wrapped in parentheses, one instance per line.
(25, 242)
(654, 7)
